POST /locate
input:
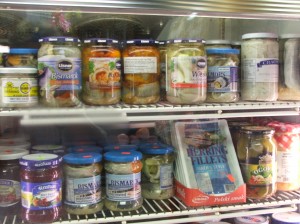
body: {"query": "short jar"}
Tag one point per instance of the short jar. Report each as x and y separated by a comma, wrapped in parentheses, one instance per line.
(186, 80)
(21, 57)
(157, 172)
(83, 169)
(53, 149)
(19, 87)
(41, 188)
(101, 75)
(141, 72)
(123, 167)
(260, 67)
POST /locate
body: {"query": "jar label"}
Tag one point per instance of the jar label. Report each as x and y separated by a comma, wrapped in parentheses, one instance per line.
(166, 176)
(104, 73)
(260, 70)
(188, 72)
(19, 90)
(288, 167)
(40, 196)
(222, 79)
(83, 190)
(133, 65)
(125, 187)
(10, 192)
(259, 174)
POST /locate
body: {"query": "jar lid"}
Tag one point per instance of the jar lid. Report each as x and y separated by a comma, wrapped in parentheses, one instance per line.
(123, 156)
(289, 35)
(141, 41)
(259, 35)
(257, 130)
(23, 51)
(85, 149)
(222, 51)
(59, 39)
(11, 70)
(257, 219)
(40, 160)
(11, 154)
(218, 42)
(82, 158)
(185, 41)
(236, 43)
(101, 40)
(286, 218)
(47, 147)
(156, 149)
(118, 147)
(285, 127)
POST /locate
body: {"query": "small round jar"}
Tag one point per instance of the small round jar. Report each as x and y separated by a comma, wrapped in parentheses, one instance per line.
(59, 65)
(41, 188)
(123, 180)
(186, 71)
(19, 87)
(141, 72)
(85, 149)
(223, 75)
(21, 57)
(82, 173)
(120, 147)
(162, 47)
(217, 44)
(157, 173)
(10, 188)
(101, 77)
(53, 149)
(260, 67)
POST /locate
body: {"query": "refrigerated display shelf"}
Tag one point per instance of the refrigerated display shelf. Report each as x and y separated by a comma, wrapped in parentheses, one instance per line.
(174, 211)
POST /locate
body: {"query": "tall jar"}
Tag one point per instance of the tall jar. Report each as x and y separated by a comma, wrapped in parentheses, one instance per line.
(41, 188)
(141, 72)
(59, 65)
(256, 152)
(260, 67)
(82, 174)
(101, 75)
(123, 180)
(162, 52)
(186, 79)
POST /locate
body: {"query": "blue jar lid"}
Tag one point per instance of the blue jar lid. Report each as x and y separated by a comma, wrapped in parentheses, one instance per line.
(185, 41)
(85, 148)
(23, 51)
(118, 147)
(82, 158)
(101, 40)
(123, 156)
(222, 51)
(142, 41)
(59, 39)
(156, 148)
(40, 160)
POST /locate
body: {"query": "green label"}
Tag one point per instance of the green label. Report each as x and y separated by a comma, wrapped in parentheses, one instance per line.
(258, 174)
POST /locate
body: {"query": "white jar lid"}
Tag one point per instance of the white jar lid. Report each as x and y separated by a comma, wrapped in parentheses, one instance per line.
(259, 35)
(236, 43)
(217, 42)
(286, 218)
(289, 36)
(11, 154)
(258, 219)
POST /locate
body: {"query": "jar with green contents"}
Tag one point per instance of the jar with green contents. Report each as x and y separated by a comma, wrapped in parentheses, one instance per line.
(256, 151)
(157, 173)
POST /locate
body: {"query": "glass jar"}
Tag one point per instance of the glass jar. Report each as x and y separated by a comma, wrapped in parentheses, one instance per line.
(59, 65)
(162, 52)
(19, 87)
(52, 149)
(157, 172)
(256, 152)
(141, 72)
(223, 77)
(217, 44)
(82, 174)
(123, 180)
(186, 80)
(21, 57)
(260, 67)
(10, 188)
(41, 188)
(101, 73)
(235, 129)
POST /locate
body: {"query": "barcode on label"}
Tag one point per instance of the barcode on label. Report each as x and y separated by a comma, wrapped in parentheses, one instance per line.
(229, 187)
(204, 182)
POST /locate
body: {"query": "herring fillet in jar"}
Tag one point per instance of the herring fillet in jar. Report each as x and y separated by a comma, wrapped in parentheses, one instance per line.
(141, 72)
(186, 78)
(260, 67)
(101, 60)
(59, 65)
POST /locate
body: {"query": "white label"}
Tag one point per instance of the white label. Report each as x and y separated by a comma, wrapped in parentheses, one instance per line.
(10, 192)
(260, 70)
(166, 177)
(288, 163)
(134, 65)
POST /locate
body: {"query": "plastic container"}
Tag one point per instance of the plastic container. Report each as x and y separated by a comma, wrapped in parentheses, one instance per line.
(256, 219)
(256, 152)
(59, 65)
(286, 218)
(162, 52)
(101, 71)
(217, 44)
(123, 180)
(82, 173)
(260, 67)
(141, 72)
(186, 71)
(223, 79)
(41, 188)
(157, 173)
(10, 188)
(19, 87)
(53, 149)
(120, 147)
(85, 149)
(21, 57)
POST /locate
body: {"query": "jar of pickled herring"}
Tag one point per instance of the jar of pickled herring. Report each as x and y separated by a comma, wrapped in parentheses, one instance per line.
(101, 77)
(141, 72)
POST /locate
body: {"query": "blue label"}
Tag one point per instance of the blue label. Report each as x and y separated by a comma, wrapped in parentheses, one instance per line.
(267, 62)
(222, 79)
